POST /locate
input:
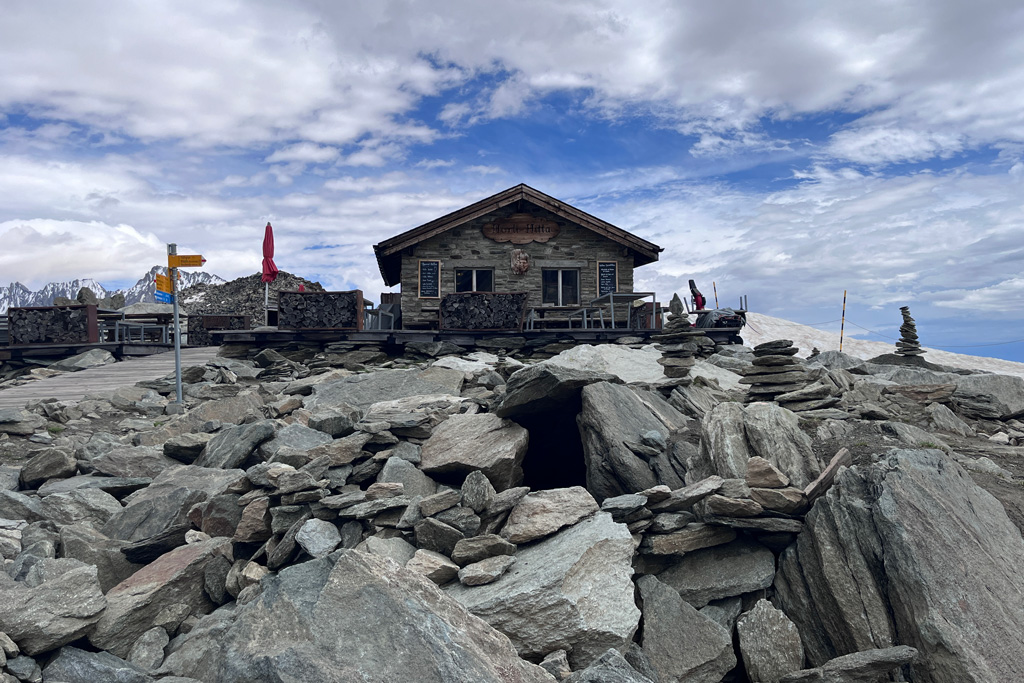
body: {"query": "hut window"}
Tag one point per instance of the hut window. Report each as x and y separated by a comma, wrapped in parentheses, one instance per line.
(474, 280)
(561, 287)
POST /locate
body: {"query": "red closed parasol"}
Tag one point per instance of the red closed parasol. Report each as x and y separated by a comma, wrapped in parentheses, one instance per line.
(269, 269)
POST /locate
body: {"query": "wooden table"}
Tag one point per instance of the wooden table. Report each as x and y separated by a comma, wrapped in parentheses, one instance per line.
(612, 298)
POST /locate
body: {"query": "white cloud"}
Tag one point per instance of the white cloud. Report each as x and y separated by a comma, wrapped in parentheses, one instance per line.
(304, 152)
(883, 145)
(39, 251)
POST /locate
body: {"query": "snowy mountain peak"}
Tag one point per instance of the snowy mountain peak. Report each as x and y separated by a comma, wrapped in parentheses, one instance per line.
(17, 294)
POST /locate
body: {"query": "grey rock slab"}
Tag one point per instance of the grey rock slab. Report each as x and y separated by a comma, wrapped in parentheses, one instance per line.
(484, 442)
(19, 422)
(434, 566)
(142, 461)
(231, 446)
(684, 498)
(720, 572)
(336, 421)
(470, 550)
(185, 448)
(611, 667)
(763, 474)
(570, 591)
(85, 360)
(398, 627)
(148, 651)
(999, 397)
(704, 656)
(439, 502)
(318, 537)
(294, 436)
(691, 537)
(23, 668)
(235, 410)
(485, 571)
(769, 643)
(397, 549)
(165, 503)
(723, 442)
(55, 613)
(415, 482)
(119, 487)
(542, 513)
(613, 415)
(868, 666)
(163, 593)
(49, 464)
(544, 387)
(774, 434)
(88, 505)
(433, 534)
(477, 491)
(73, 665)
(875, 560)
(10, 478)
(363, 390)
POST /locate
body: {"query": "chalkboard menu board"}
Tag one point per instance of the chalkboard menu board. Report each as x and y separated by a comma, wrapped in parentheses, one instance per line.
(430, 279)
(607, 277)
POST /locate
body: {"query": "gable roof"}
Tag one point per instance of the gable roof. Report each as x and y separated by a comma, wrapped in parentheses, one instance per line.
(389, 251)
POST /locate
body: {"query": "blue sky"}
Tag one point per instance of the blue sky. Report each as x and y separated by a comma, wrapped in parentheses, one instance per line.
(786, 151)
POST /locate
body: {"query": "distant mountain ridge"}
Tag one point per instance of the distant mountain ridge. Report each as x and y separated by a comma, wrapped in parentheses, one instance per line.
(17, 294)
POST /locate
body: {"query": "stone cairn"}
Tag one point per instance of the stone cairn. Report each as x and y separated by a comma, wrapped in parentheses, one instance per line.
(777, 376)
(775, 371)
(677, 343)
(908, 345)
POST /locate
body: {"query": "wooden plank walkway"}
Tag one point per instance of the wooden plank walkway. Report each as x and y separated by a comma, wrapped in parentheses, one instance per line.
(76, 385)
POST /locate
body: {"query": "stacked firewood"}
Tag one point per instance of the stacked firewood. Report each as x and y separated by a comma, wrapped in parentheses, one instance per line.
(483, 311)
(199, 327)
(319, 310)
(49, 325)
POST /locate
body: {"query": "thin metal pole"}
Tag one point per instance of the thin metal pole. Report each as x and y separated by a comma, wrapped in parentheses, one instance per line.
(842, 325)
(266, 303)
(716, 292)
(172, 249)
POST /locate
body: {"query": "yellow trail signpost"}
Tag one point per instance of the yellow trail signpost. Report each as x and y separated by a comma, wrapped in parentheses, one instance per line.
(163, 284)
(175, 261)
(185, 260)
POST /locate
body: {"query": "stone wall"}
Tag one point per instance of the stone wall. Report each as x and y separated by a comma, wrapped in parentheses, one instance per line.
(466, 247)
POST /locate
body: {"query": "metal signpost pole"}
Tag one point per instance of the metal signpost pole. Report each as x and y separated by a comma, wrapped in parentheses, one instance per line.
(172, 249)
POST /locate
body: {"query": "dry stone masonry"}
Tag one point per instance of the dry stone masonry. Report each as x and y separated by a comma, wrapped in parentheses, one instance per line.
(336, 513)
(908, 345)
(677, 342)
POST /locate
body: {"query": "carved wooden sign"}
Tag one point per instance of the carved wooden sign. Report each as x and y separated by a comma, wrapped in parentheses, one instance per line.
(521, 228)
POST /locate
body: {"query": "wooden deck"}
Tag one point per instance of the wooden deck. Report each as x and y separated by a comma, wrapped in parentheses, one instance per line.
(268, 336)
(76, 385)
(118, 349)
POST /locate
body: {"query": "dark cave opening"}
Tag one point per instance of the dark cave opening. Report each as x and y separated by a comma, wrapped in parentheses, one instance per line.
(554, 458)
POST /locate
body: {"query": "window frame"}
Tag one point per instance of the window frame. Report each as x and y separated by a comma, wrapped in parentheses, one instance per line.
(561, 287)
(474, 271)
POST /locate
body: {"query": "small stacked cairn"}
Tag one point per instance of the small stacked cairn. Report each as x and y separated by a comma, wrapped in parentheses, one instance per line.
(908, 345)
(775, 371)
(677, 343)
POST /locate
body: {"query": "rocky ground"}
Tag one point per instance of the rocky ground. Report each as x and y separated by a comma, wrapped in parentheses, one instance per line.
(453, 515)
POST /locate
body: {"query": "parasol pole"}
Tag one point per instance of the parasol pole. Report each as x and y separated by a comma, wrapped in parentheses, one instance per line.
(266, 303)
